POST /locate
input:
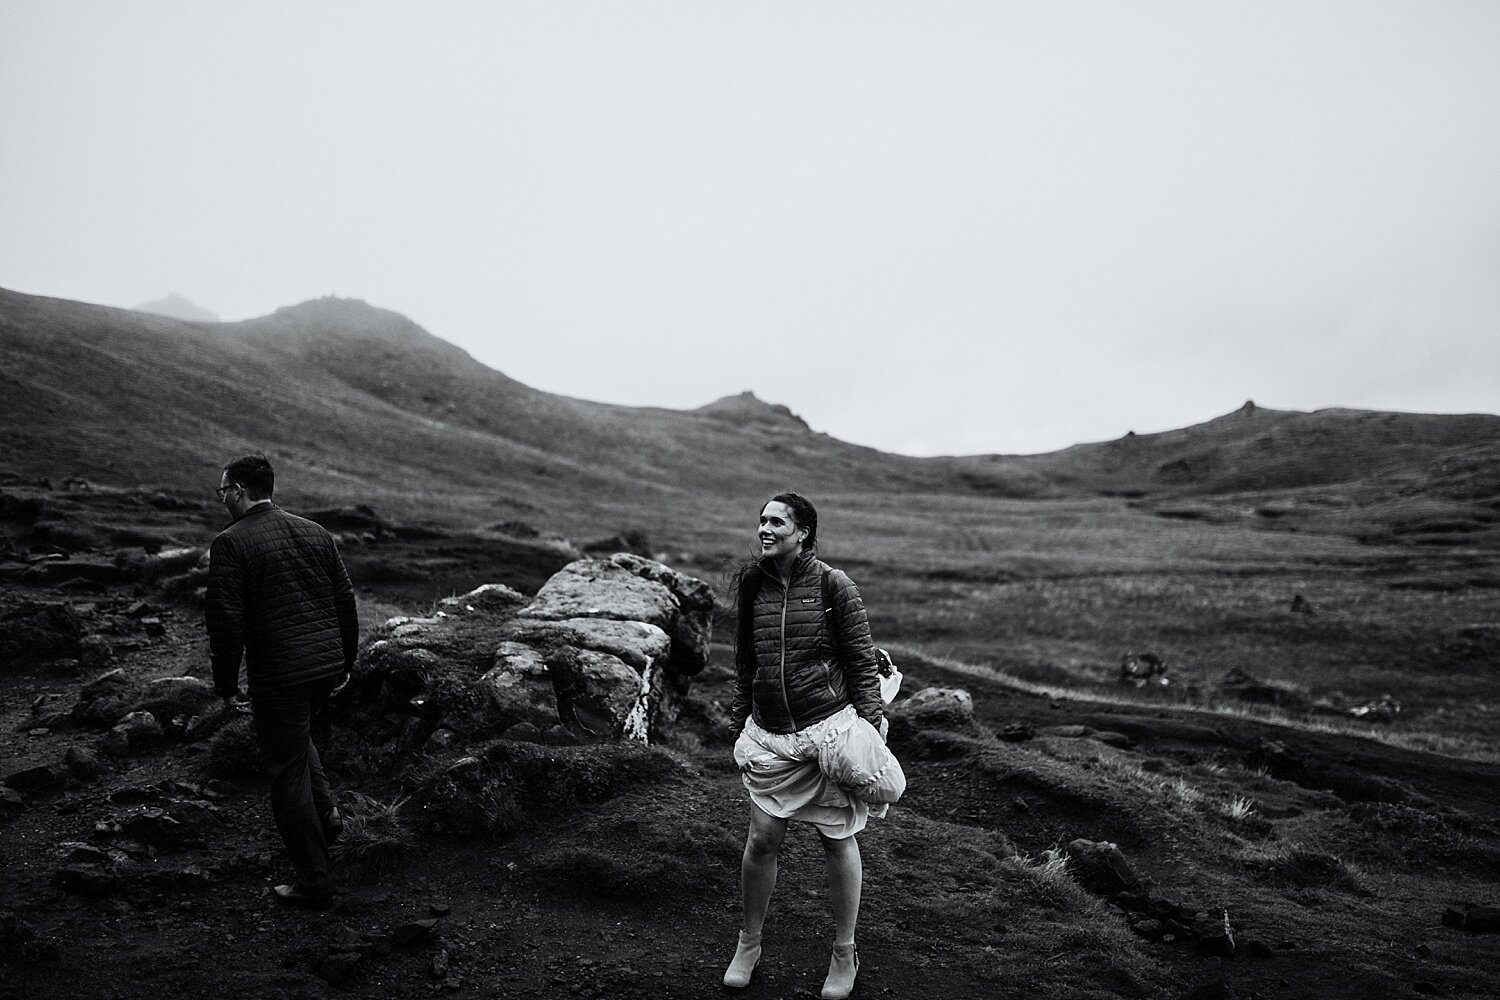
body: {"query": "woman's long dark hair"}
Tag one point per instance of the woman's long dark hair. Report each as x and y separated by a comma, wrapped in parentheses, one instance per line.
(746, 582)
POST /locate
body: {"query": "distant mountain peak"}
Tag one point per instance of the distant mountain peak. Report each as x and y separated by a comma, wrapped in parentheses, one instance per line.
(747, 407)
(174, 306)
(330, 320)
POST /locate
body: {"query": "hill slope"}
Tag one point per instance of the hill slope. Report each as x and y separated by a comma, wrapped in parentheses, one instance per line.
(362, 405)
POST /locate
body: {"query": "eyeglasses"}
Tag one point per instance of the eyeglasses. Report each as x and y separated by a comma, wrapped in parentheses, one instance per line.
(221, 490)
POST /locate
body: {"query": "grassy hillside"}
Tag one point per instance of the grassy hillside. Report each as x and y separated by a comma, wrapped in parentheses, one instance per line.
(359, 404)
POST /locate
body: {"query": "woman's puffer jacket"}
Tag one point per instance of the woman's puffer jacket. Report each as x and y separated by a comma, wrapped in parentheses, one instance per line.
(795, 677)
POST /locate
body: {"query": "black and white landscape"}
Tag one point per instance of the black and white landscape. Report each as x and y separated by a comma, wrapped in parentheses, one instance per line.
(1256, 655)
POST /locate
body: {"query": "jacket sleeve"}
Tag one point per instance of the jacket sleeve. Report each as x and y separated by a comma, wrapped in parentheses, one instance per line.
(225, 614)
(343, 602)
(856, 650)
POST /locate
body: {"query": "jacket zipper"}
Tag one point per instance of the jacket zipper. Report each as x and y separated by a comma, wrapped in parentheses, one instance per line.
(786, 594)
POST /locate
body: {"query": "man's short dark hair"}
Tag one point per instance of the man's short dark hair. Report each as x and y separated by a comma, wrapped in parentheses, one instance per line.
(254, 473)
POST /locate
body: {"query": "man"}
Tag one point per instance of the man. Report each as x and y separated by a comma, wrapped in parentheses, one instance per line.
(279, 595)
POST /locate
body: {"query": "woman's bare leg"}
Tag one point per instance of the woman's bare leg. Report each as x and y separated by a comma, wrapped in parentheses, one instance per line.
(758, 866)
(845, 881)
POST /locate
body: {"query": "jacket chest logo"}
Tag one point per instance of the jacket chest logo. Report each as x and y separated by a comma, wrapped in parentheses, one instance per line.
(810, 600)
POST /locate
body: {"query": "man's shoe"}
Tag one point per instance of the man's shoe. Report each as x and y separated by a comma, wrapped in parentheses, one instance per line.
(308, 899)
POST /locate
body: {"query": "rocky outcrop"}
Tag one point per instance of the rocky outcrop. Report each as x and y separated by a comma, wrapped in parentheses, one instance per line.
(39, 631)
(606, 650)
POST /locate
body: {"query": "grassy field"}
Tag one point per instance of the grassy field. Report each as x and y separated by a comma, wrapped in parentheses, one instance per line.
(1055, 593)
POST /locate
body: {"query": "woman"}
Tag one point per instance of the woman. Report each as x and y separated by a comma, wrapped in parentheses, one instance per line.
(801, 676)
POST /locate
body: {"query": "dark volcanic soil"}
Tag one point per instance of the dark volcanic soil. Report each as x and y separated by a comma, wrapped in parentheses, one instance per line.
(1335, 884)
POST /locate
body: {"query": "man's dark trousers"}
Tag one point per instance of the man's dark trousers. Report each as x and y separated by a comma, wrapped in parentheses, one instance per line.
(301, 801)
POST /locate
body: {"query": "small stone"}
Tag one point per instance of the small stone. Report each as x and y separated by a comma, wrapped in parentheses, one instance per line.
(86, 882)
(11, 799)
(1213, 934)
(1100, 867)
(440, 964)
(33, 779)
(439, 909)
(1148, 928)
(84, 854)
(39, 731)
(410, 933)
(103, 684)
(336, 969)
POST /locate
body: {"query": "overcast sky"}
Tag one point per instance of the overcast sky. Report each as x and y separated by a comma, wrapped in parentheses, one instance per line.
(932, 227)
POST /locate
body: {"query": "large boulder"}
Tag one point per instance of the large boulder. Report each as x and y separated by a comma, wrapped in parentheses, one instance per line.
(628, 587)
(606, 650)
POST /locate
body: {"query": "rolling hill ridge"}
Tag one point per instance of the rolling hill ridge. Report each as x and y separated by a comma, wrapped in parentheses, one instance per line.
(368, 406)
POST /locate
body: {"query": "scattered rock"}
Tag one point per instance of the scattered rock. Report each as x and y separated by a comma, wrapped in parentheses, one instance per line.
(36, 632)
(938, 706)
(1070, 732)
(10, 800)
(410, 933)
(1100, 867)
(1473, 918)
(135, 732)
(41, 778)
(1140, 669)
(87, 882)
(1017, 732)
(1147, 927)
(1214, 934)
(336, 969)
(1382, 709)
(160, 829)
(104, 684)
(94, 652)
(95, 571)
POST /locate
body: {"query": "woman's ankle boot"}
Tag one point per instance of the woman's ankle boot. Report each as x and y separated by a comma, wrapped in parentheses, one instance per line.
(745, 958)
(842, 968)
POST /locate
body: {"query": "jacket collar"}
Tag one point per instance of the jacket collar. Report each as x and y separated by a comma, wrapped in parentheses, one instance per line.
(256, 508)
(800, 567)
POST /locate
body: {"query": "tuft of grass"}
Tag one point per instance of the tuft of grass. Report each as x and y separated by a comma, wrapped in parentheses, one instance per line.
(234, 753)
(1306, 867)
(375, 837)
(1237, 809)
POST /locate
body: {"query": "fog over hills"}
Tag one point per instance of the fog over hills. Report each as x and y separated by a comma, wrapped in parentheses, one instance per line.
(177, 307)
(363, 405)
